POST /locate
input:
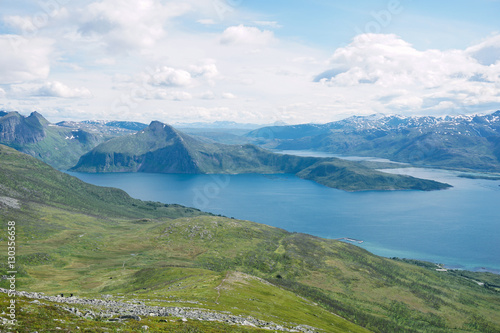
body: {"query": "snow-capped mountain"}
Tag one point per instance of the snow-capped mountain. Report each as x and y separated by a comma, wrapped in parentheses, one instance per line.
(460, 142)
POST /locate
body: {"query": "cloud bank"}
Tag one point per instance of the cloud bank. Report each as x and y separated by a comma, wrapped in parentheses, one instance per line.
(188, 61)
(401, 78)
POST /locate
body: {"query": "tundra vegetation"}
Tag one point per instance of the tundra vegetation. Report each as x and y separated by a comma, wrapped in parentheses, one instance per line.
(76, 238)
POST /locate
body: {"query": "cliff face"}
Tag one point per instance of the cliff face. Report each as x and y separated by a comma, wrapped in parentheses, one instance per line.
(16, 129)
(61, 147)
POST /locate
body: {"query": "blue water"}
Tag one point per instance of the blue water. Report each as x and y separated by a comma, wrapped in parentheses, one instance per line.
(459, 227)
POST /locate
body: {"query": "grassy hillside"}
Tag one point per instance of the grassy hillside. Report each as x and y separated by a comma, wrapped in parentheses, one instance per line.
(162, 149)
(344, 175)
(50, 317)
(139, 252)
(30, 181)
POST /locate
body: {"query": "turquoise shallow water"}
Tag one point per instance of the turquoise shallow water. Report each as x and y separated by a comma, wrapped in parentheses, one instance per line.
(459, 227)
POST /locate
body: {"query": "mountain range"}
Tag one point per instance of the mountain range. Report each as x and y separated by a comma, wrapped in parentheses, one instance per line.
(121, 264)
(108, 127)
(455, 142)
(162, 149)
(59, 145)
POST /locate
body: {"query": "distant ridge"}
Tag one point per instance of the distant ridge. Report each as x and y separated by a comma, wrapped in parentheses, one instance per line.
(458, 142)
(218, 125)
(129, 125)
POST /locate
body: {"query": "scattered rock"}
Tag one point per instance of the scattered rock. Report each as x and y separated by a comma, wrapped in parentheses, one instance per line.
(134, 317)
(10, 202)
(115, 310)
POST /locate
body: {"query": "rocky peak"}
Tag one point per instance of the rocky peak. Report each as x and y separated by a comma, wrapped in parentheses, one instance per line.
(37, 119)
(17, 129)
(158, 128)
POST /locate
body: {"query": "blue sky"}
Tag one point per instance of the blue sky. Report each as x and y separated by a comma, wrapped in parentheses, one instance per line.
(333, 23)
(248, 60)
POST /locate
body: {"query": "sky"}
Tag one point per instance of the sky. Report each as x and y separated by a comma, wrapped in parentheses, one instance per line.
(248, 61)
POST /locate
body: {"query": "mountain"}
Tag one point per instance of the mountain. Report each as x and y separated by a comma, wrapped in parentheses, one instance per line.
(108, 128)
(27, 180)
(18, 130)
(457, 142)
(122, 264)
(227, 132)
(59, 146)
(162, 149)
(347, 176)
(130, 125)
(221, 125)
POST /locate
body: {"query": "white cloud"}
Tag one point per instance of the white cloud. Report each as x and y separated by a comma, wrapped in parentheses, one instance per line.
(49, 89)
(2, 93)
(28, 26)
(206, 21)
(486, 52)
(148, 56)
(106, 61)
(207, 95)
(270, 24)
(246, 35)
(124, 24)
(168, 76)
(180, 96)
(387, 60)
(22, 24)
(23, 59)
(164, 94)
(228, 96)
(208, 71)
(58, 89)
(389, 73)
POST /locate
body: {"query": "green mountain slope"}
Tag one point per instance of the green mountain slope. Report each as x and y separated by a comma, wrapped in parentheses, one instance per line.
(58, 146)
(214, 264)
(162, 149)
(26, 179)
(345, 176)
(78, 238)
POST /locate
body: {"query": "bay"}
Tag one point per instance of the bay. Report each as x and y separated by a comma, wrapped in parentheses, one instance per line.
(458, 227)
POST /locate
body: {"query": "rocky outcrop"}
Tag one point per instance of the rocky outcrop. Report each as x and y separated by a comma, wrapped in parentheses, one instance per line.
(16, 129)
(107, 308)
